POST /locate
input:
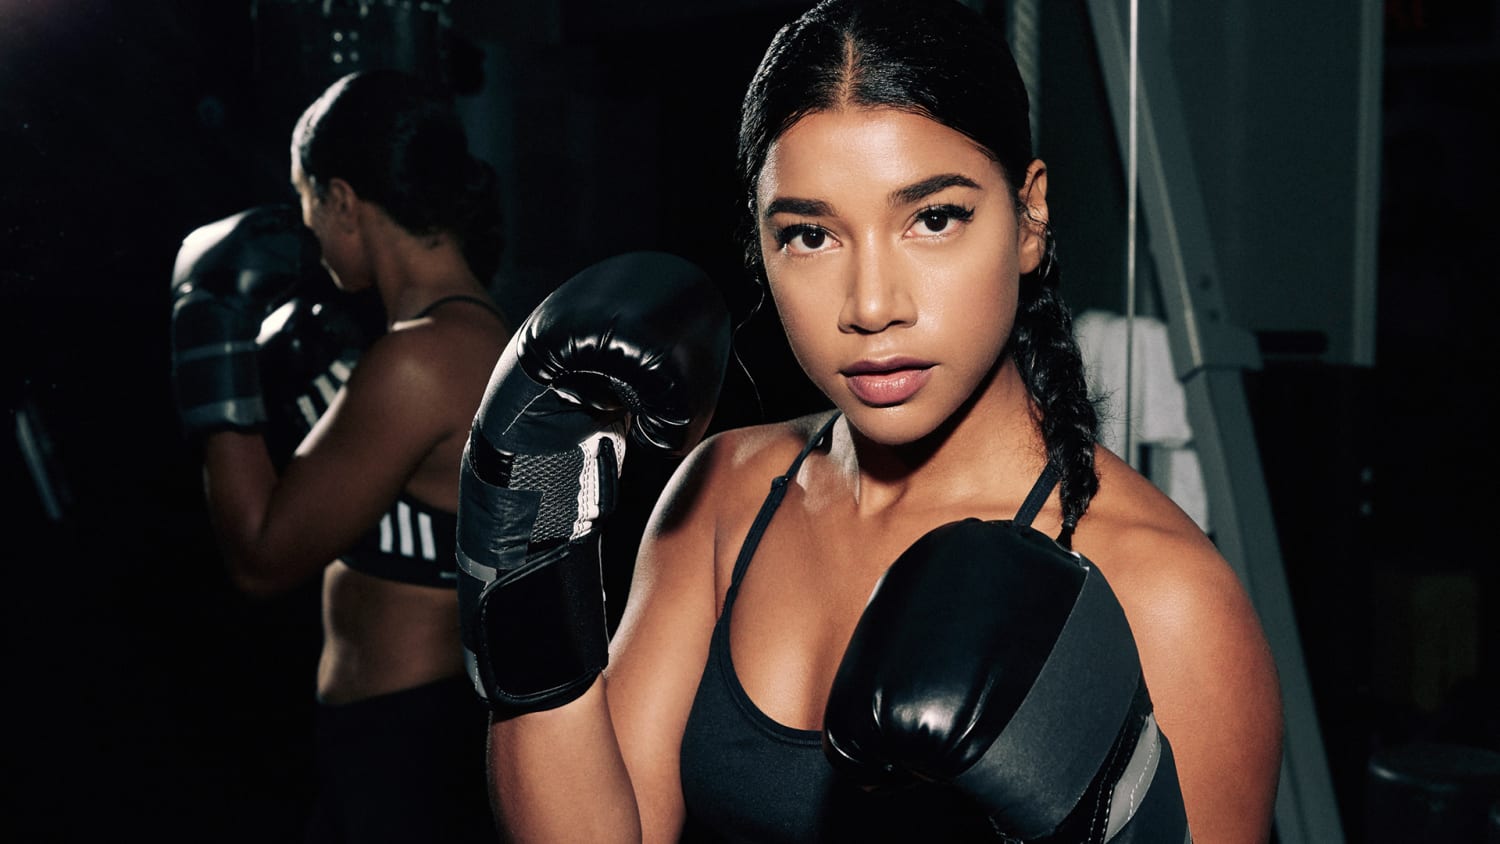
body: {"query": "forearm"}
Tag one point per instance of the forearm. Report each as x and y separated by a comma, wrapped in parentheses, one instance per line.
(239, 482)
(558, 775)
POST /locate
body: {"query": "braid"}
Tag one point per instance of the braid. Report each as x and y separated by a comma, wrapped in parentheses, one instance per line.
(1050, 363)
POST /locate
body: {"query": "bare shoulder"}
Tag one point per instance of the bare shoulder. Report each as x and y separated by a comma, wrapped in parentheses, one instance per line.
(435, 363)
(1204, 655)
(457, 342)
(1153, 554)
(706, 509)
(733, 469)
(1184, 601)
(756, 447)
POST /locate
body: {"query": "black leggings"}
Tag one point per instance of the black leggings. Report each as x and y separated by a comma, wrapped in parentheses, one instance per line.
(406, 766)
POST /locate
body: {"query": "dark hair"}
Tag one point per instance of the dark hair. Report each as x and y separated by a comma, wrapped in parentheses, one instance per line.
(397, 140)
(943, 61)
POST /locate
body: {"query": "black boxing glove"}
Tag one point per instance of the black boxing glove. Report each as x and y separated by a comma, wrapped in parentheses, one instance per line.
(636, 343)
(228, 275)
(306, 350)
(992, 660)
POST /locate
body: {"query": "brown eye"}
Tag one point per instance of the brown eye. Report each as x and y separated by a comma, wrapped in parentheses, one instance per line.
(935, 221)
(802, 238)
(939, 219)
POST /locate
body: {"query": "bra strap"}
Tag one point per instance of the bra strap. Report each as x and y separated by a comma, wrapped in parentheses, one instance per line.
(1038, 496)
(768, 509)
(457, 297)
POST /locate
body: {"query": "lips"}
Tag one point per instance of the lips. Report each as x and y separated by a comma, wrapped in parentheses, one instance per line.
(887, 382)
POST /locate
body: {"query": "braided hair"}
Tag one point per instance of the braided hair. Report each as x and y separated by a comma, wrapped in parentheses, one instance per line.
(941, 60)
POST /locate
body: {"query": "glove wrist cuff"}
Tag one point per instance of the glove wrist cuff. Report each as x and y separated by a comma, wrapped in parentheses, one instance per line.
(536, 639)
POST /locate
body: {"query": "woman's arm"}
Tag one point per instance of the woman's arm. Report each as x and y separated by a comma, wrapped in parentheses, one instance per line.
(1208, 668)
(276, 531)
(603, 768)
(1214, 684)
(1205, 659)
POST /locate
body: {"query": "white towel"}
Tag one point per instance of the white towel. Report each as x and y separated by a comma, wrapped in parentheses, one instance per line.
(1158, 404)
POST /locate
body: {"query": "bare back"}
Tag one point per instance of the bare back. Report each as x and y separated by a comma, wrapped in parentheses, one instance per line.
(381, 634)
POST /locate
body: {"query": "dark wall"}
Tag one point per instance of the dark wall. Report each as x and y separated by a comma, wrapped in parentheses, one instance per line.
(148, 697)
(1436, 644)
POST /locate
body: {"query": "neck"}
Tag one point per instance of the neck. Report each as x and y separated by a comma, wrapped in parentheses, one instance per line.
(990, 450)
(412, 272)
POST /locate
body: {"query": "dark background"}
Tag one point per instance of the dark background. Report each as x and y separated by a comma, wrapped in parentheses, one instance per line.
(145, 695)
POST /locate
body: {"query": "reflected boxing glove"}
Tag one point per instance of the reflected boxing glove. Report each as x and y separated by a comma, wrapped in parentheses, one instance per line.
(307, 349)
(993, 660)
(228, 275)
(636, 343)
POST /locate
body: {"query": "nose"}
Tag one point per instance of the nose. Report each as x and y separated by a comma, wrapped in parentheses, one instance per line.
(877, 295)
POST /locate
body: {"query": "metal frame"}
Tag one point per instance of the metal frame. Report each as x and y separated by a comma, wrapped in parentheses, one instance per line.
(1211, 356)
(1367, 183)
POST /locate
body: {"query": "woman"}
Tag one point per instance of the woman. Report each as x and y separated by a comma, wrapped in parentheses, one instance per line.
(368, 502)
(900, 221)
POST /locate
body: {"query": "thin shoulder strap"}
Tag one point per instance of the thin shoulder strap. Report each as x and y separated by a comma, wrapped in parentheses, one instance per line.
(457, 297)
(1038, 496)
(768, 508)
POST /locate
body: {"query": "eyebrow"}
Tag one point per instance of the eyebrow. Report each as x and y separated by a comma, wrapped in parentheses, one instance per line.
(793, 205)
(914, 192)
(929, 186)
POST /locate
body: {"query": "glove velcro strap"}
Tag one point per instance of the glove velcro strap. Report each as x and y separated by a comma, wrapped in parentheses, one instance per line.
(241, 414)
(1147, 807)
(215, 368)
(538, 636)
(1050, 752)
(1133, 784)
(221, 390)
(531, 612)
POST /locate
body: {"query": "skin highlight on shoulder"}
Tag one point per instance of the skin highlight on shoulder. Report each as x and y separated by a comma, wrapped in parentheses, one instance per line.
(737, 465)
(1203, 654)
(1135, 520)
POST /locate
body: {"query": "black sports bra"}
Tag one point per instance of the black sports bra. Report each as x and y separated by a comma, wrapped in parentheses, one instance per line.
(746, 777)
(413, 542)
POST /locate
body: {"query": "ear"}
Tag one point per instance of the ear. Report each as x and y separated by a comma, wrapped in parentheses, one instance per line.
(1032, 225)
(342, 203)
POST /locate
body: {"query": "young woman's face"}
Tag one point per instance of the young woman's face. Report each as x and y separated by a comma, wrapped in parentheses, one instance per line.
(893, 250)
